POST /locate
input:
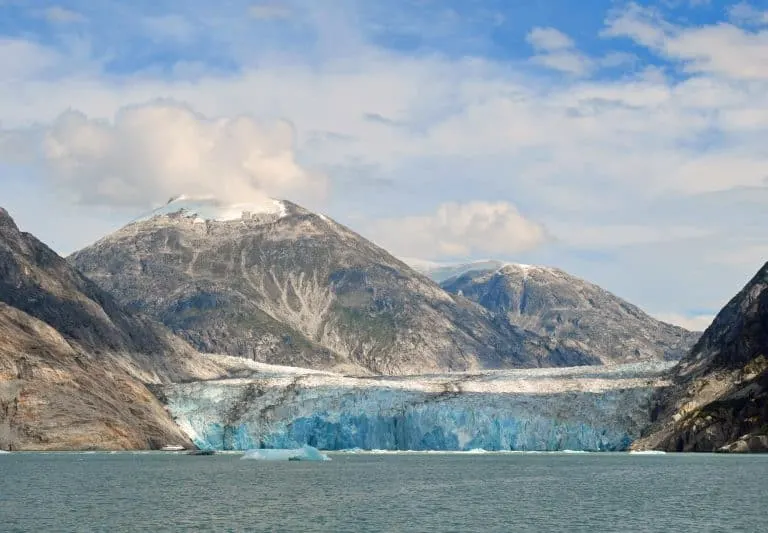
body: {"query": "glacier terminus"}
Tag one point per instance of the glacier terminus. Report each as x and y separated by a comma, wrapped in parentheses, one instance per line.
(582, 408)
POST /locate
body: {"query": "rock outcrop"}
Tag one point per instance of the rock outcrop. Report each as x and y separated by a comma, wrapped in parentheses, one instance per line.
(281, 285)
(719, 400)
(576, 313)
(74, 363)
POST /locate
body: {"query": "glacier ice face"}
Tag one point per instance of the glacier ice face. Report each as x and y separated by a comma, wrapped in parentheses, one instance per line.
(596, 409)
(305, 453)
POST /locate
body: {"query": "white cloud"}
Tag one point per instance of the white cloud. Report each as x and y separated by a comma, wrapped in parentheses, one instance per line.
(460, 230)
(578, 153)
(691, 323)
(269, 11)
(21, 60)
(557, 51)
(747, 14)
(151, 152)
(61, 15)
(721, 49)
(549, 39)
(565, 61)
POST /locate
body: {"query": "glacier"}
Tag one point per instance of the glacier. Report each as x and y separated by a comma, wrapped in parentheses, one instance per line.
(583, 408)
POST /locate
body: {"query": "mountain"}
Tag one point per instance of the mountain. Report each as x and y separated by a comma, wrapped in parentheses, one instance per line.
(74, 363)
(719, 400)
(578, 314)
(279, 284)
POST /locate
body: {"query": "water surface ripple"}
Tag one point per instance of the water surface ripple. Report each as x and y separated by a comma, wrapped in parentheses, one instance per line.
(393, 492)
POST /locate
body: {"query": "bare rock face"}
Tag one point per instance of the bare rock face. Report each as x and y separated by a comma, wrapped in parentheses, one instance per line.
(578, 314)
(719, 401)
(73, 362)
(282, 285)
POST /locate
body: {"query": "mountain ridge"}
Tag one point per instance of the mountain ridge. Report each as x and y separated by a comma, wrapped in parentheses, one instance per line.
(580, 314)
(74, 364)
(316, 293)
(719, 399)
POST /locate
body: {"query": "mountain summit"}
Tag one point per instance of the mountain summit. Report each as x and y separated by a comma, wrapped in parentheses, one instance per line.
(578, 314)
(279, 284)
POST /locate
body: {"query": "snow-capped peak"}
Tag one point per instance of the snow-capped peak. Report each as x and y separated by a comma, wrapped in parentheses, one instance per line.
(211, 209)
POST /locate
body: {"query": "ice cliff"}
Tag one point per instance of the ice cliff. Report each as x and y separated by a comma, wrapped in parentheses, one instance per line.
(583, 408)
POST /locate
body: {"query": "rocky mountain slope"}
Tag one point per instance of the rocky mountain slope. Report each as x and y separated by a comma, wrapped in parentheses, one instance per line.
(719, 399)
(276, 283)
(73, 363)
(578, 314)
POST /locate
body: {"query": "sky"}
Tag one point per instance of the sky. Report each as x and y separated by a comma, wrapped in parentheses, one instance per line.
(622, 142)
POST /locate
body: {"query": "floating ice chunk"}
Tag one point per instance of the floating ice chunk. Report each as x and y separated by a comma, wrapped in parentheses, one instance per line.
(172, 448)
(647, 452)
(353, 450)
(305, 453)
(3, 451)
(477, 450)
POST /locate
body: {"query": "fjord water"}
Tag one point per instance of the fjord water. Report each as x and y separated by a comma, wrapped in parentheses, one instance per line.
(390, 492)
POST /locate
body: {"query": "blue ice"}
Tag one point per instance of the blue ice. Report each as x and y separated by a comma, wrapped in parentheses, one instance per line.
(305, 453)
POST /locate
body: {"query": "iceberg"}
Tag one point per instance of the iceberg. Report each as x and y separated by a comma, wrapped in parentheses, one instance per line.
(305, 453)
(556, 409)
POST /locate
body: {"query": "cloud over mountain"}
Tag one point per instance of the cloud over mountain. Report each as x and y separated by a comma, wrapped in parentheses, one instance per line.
(151, 152)
(460, 230)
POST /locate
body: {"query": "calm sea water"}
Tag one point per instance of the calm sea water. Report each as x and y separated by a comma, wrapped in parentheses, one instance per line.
(359, 493)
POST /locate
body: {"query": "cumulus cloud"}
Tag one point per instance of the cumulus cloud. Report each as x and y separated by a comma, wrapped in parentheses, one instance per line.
(460, 230)
(151, 152)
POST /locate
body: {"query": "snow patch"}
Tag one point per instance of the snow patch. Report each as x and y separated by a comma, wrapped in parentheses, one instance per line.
(203, 209)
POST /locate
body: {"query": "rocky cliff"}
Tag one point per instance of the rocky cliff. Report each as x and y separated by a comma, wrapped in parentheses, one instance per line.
(576, 313)
(282, 285)
(719, 400)
(73, 362)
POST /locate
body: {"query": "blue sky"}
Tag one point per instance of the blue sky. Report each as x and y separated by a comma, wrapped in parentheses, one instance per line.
(620, 141)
